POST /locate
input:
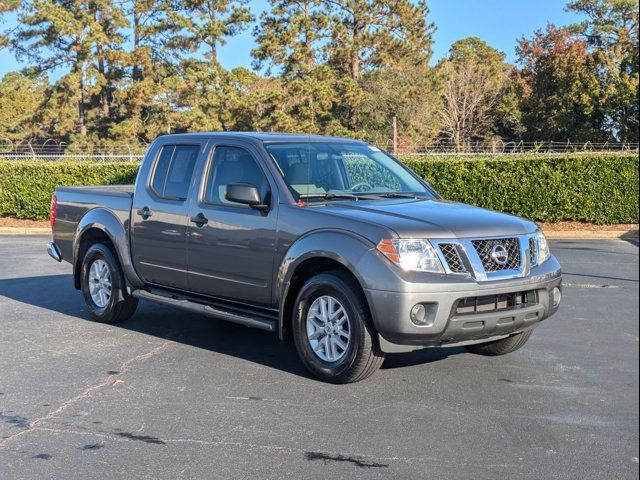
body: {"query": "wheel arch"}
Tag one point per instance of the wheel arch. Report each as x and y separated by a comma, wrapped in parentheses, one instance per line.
(100, 225)
(317, 252)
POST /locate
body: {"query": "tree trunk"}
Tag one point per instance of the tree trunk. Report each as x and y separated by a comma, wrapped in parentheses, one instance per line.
(104, 91)
(81, 113)
(137, 72)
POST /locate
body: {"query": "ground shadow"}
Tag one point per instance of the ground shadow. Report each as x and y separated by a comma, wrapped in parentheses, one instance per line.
(420, 357)
(56, 293)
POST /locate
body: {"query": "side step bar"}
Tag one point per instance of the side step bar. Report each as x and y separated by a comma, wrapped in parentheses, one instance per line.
(248, 320)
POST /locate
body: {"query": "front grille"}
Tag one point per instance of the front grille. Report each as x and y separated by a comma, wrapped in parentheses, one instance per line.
(532, 251)
(452, 257)
(496, 303)
(487, 248)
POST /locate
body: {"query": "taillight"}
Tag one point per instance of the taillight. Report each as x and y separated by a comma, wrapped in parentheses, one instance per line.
(53, 212)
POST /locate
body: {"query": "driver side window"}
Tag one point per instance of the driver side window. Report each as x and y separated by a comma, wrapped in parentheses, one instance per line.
(232, 165)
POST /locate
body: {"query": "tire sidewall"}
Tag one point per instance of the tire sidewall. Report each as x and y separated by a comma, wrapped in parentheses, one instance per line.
(101, 252)
(327, 284)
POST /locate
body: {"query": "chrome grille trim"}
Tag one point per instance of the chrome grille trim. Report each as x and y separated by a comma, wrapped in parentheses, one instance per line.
(473, 264)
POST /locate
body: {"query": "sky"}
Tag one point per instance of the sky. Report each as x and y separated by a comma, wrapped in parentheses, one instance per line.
(500, 23)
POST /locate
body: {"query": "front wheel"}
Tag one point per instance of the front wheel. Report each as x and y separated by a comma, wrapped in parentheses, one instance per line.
(333, 330)
(501, 347)
(103, 286)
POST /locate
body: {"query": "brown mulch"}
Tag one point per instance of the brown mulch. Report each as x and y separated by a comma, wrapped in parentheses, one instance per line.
(16, 222)
(586, 227)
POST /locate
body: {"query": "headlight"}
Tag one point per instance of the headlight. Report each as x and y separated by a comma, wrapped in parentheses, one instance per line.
(543, 248)
(411, 254)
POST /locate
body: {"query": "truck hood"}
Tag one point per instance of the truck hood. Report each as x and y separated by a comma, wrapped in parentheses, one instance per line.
(432, 218)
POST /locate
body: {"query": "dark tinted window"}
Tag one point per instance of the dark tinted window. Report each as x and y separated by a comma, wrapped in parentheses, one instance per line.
(174, 170)
(232, 165)
(162, 167)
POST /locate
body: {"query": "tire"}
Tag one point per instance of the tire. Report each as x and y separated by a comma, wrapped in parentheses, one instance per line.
(362, 355)
(115, 307)
(501, 347)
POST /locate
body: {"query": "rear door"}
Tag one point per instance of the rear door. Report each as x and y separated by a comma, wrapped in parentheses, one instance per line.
(160, 215)
(232, 255)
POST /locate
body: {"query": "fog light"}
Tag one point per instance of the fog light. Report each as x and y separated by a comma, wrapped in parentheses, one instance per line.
(423, 314)
(556, 296)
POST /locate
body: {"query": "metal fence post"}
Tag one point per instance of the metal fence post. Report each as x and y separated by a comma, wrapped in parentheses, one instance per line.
(395, 135)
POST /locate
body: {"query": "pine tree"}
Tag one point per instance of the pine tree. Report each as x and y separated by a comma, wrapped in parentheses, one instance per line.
(150, 82)
(370, 34)
(290, 37)
(6, 6)
(157, 34)
(22, 95)
(290, 41)
(213, 21)
(81, 36)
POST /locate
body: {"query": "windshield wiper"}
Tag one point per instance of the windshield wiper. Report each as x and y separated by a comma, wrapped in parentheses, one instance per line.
(330, 196)
(389, 194)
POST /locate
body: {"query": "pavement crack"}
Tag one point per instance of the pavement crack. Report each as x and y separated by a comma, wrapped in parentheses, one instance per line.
(110, 379)
(357, 461)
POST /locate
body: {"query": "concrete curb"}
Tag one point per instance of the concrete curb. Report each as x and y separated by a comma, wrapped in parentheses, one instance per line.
(552, 235)
(25, 231)
(591, 234)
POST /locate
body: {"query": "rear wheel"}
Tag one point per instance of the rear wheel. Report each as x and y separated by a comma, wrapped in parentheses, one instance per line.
(501, 347)
(333, 331)
(103, 286)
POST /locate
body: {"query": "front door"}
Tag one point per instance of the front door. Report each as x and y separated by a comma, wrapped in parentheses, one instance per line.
(231, 246)
(160, 216)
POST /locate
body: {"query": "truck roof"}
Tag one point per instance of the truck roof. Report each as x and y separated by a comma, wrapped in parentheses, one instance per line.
(265, 137)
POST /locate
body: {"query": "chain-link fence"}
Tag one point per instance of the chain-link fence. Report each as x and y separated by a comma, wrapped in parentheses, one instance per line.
(54, 150)
(500, 147)
(133, 152)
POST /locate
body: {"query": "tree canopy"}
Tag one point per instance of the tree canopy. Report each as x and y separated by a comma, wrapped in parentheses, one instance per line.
(132, 70)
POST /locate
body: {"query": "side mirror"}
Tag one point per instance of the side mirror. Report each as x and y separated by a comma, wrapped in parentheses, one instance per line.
(245, 194)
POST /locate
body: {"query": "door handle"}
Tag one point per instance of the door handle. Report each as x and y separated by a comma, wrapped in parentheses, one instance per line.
(199, 219)
(144, 212)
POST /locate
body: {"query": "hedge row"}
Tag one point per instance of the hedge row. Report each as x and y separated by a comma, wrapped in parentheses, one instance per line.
(26, 186)
(601, 189)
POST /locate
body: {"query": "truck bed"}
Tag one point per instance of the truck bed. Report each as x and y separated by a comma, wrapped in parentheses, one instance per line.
(75, 202)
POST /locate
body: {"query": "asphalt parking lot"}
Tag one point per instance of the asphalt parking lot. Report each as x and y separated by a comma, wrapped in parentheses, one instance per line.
(170, 395)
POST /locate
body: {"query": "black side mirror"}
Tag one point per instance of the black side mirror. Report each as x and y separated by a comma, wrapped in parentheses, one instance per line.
(245, 194)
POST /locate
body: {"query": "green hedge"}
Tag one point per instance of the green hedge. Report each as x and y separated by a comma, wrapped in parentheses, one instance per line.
(602, 189)
(26, 186)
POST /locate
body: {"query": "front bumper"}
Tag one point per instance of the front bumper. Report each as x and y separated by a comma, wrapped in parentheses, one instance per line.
(397, 333)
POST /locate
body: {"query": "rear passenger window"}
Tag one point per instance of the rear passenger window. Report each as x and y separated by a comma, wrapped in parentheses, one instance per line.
(174, 170)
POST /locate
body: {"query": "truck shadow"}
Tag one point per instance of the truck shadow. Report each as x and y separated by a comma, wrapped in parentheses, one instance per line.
(56, 293)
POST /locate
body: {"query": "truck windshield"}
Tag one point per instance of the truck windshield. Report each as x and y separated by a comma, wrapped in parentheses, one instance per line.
(335, 170)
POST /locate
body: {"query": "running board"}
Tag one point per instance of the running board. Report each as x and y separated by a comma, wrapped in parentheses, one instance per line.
(248, 320)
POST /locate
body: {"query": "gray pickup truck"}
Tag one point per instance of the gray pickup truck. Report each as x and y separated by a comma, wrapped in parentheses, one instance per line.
(328, 242)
